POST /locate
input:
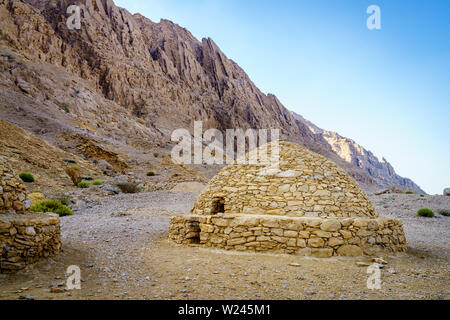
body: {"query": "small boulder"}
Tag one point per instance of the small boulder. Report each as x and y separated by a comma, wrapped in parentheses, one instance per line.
(26, 87)
(447, 192)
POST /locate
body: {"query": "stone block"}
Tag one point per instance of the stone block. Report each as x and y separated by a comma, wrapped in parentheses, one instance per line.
(290, 234)
(330, 225)
(316, 243)
(349, 251)
(322, 253)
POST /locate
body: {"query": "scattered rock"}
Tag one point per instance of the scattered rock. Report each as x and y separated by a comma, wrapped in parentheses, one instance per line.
(26, 87)
(392, 271)
(294, 265)
(57, 290)
(362, 264)
(379, 261)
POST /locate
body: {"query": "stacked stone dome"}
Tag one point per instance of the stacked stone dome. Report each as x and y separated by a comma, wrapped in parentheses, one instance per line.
(303, 203)
(303, 183)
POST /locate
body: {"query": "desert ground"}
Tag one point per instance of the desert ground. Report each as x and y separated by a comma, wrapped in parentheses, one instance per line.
(120, 243)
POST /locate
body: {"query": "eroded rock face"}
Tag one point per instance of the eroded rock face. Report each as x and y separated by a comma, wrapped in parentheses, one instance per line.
(357, 156)
(158, 72)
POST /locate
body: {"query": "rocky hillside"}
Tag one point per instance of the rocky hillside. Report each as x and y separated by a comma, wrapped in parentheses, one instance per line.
(122, 84)
(25, 152)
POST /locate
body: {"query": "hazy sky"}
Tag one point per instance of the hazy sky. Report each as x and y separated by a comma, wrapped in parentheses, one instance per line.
(388, 89)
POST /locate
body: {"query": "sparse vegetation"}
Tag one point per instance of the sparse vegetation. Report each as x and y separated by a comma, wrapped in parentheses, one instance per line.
(422, 195)
(54, 206)
(64, 106)
(26, 177)
(151, 174)
(74, 176)
(425, 212)
(76, 168)
(83, 185)
(444, 212)
(128, 187)
(97, 183)
(65, 200)
(409, 192)
(37, 191)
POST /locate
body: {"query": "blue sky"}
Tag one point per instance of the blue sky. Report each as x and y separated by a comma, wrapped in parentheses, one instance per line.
(388, 89)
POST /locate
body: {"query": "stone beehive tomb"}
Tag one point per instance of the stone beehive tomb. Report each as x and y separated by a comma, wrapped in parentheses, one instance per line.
(24, 236)
(305, 204)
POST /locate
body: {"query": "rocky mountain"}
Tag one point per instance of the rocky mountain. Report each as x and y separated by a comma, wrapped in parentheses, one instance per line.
(121, 84)
(354, 154)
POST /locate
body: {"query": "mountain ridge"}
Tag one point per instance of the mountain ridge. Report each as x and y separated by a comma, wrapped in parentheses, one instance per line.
(156, 76)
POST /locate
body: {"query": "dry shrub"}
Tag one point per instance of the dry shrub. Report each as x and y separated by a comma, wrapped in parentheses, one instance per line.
(74, 176)
(128, 187)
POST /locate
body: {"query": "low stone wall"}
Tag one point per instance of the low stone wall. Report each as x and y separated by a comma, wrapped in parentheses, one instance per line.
(13, 197)
(27, 237)
(320, 237)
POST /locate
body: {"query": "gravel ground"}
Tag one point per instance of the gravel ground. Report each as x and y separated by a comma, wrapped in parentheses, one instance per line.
(427, 234)
(121, 246)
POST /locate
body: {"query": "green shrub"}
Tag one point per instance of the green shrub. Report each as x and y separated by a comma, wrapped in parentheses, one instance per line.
(444, 212)
(151, 174)
(97, 183)
(37, 191)
(422, 195)
(65, 200)
(76, 168)
(54, 206)
(83, 185)
(128, 187)
(74, 176)
(26, 177)
(409, 192)
(425, 212)
(65, 107)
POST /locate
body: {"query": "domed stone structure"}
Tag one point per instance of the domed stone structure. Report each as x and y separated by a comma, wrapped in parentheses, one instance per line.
(24, 236)
(304, 203)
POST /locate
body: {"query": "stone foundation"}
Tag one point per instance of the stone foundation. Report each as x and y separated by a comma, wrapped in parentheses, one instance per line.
(25, 238)
(309, 236)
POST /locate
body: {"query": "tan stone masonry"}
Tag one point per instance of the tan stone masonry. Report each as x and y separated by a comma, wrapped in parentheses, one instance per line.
(304, 184)
(24, 236)
(306, 236)
(306, 205)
